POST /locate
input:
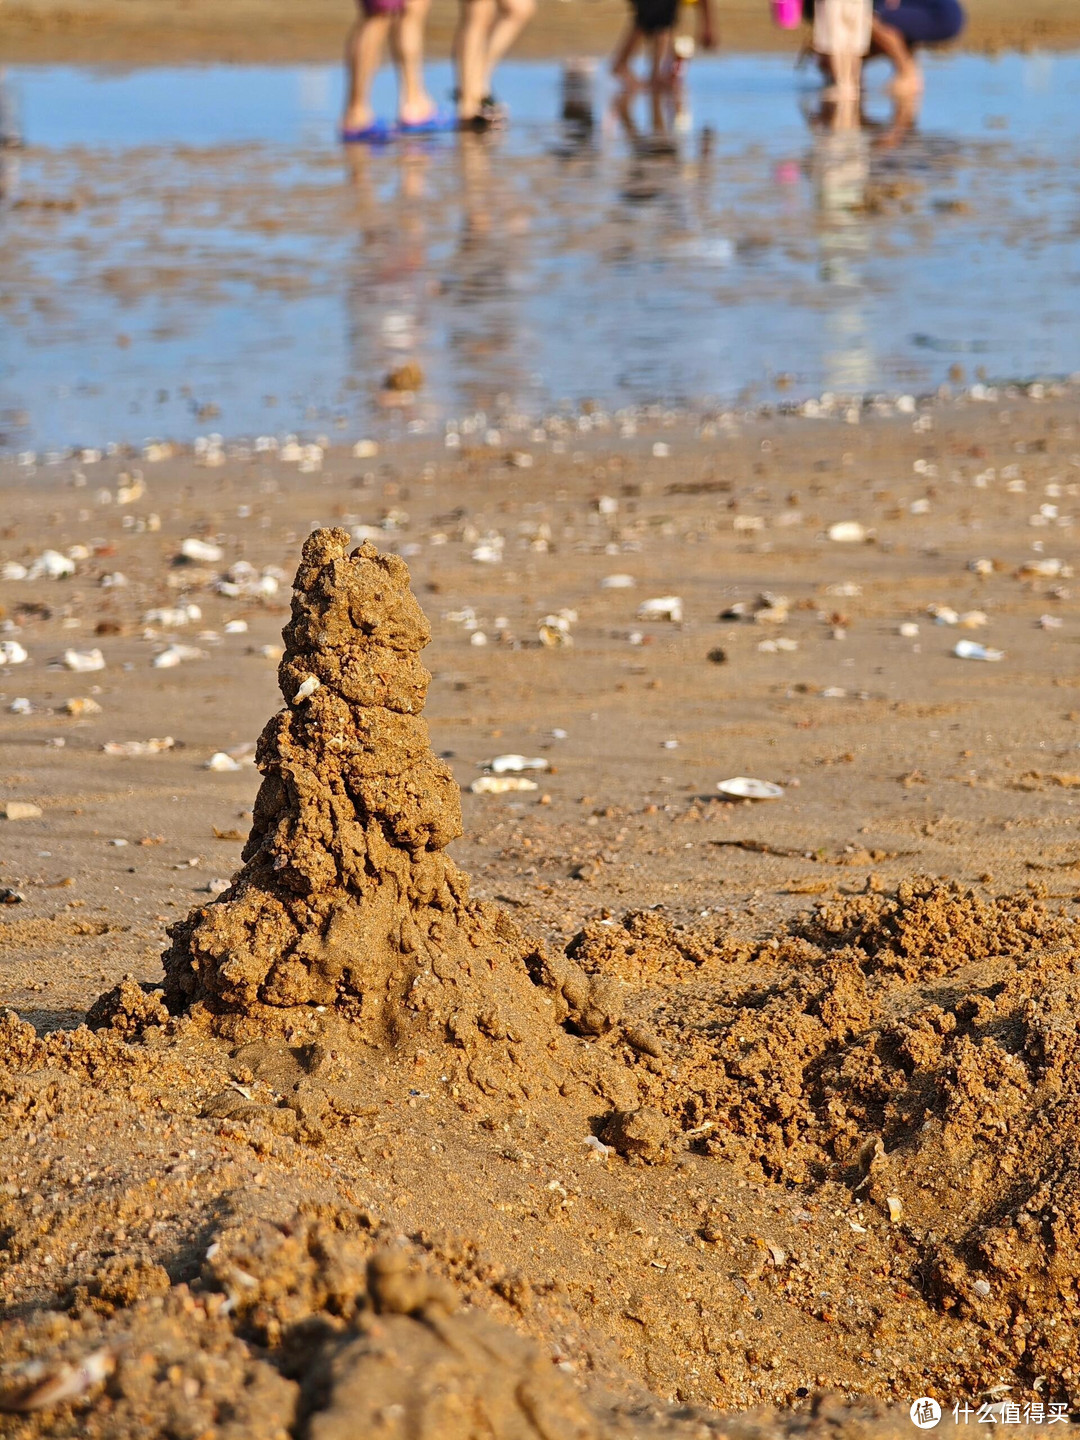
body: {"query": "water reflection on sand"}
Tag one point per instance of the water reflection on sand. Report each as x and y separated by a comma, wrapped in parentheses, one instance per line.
(732, 242)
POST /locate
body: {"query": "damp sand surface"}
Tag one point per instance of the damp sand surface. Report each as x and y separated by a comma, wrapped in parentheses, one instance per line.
(188, 251)
(835, 1106)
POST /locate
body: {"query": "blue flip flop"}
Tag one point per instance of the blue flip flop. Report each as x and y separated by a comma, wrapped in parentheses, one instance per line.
(437, 124)
(377, 133)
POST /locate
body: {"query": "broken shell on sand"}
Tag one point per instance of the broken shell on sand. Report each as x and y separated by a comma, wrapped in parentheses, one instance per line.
(744, 787)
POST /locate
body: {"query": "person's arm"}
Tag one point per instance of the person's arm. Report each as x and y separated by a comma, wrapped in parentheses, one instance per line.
(706, 36)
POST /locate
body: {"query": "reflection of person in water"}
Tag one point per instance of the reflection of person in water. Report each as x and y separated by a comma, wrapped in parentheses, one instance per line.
(484, 281)
(389, 288)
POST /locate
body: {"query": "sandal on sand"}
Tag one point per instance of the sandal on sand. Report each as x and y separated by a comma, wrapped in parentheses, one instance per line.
(377, 133)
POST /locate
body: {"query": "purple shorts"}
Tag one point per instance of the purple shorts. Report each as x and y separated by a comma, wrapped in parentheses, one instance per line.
(383, 7)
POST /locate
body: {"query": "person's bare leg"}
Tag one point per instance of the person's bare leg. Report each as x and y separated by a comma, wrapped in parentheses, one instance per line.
(407, 40)
(363, 55)
(513, 16)
(477, 18)
(890, 43)
(621, 60)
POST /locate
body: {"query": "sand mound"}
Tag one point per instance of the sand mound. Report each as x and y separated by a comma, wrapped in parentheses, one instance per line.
(922, 1049)
(347, 899)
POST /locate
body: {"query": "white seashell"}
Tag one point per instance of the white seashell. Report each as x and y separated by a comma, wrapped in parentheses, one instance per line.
(12, 653)
(202, 551)
(617, 582)
(236, 627)
(909, 630)
(135, 749)
(12, 570)
(972, 650)
(501, 784)
(663, 607)
(1047, 569)
(307, 688)
(743, 787)
(21, 706)
(896, 1208)
(478, 638)
(365, 450)
(84, 661)
(848, 532)
(514, 764)
(175, 655)
(51, 565)
(607, 505)
(222, 762)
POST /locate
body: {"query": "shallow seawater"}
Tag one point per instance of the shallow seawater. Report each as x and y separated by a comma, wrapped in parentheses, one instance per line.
(190, 250)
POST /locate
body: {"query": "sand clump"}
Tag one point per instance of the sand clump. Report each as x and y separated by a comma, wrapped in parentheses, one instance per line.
(921, 1048)
(347, 899)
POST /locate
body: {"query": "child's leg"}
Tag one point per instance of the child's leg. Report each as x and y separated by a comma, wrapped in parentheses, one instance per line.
(513, 16)
(620, 63)
(363, 55)
(477, 17)
(407, 39)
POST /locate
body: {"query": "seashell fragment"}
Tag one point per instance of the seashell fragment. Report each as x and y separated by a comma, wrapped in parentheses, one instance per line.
(501, 784)
(135, 749)
(12, 653)
(222, 762)
(972, 650)
(204, 552)
(848, 532)
(307, 688)
(896, 1208)
(663, 607)
(84, 661)
(744, 787)
(514, 764)
(42, 1388)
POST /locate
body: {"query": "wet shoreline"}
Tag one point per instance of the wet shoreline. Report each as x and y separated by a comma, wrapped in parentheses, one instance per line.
(237, 273)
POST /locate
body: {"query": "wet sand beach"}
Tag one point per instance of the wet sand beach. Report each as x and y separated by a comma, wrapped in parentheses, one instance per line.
(833, 1013)
(141, 32)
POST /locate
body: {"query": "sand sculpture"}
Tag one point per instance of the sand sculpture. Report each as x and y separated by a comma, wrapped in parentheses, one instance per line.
(346, 898)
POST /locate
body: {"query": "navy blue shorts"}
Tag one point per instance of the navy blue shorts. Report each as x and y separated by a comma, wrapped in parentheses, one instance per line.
(922, 22)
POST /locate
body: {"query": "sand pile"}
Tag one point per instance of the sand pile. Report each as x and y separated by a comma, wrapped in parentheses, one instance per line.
(921, 1049)
(347, 899)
